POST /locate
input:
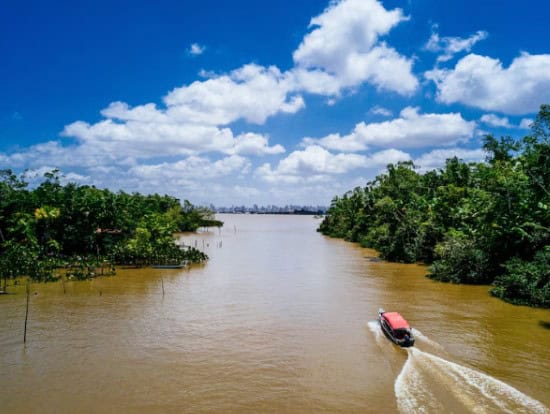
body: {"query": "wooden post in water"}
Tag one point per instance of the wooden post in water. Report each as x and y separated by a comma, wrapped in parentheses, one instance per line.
(63, 283)
(162, 284)
(28, 288)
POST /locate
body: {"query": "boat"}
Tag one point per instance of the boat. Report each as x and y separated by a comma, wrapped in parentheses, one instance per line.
(169, 266)
(396, 328)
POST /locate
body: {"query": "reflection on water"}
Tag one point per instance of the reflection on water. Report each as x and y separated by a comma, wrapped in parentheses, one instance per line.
(274, 322)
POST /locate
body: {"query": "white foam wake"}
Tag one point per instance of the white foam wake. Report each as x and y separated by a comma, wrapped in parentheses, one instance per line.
(381, 340)
(423, 338)
(374, 327)
(428, 383)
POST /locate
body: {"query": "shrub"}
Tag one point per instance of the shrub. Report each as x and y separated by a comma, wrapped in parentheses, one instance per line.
(459, 260)
(526, 282)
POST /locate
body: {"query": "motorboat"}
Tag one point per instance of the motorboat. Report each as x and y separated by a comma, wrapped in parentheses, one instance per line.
(396, 328)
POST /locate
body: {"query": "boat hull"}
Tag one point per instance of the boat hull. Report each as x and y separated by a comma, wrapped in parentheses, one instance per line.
(176, 266)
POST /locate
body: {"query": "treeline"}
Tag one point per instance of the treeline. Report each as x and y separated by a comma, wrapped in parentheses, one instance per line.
(478, 223)
(73, 230)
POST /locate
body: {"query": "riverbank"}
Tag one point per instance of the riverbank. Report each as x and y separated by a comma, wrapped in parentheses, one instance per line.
(473, 223)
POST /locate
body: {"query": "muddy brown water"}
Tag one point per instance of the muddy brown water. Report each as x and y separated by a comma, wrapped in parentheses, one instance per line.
(280, 320)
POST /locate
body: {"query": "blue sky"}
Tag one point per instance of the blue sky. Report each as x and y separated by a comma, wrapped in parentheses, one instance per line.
(248, 102)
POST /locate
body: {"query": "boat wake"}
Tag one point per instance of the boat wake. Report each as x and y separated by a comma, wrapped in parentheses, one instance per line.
(428, 383)
(383, 342)
(424, 340)
(374, 327)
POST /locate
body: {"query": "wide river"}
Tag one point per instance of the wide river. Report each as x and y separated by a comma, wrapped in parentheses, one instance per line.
(280, 320)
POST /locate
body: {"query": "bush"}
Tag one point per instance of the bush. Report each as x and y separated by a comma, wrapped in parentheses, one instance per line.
(459, 260)
(526, 282)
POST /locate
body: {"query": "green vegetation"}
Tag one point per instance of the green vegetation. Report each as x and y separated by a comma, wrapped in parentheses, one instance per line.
(72, 230)
(474, 223)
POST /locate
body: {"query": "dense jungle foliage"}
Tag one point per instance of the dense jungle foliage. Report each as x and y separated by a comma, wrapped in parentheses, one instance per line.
(73, 230)
(479, 223)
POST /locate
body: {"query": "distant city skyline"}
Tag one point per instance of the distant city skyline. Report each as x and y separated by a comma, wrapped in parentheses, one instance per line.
(268, 103)
(271, 209)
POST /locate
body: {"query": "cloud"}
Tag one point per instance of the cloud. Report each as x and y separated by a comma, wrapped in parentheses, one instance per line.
(106, 144)
(192, 122)
(316, 160)
(379, 110)
(195, 118)
(144, 140)
(450, 46)
(410, 130)
(195, 49)
(149, 139)
(192, 168)
(344, 46)
(35, 176)
(53, 153)
(496, 121)
(385, 157)
(526, 123)
(483, 82)
(112, 152)
(314, 164)
(314, 81)
(252, 93)
(254, 144)
(436, 158)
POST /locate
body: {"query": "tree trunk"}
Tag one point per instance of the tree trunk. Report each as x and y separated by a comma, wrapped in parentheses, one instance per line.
(27, 310)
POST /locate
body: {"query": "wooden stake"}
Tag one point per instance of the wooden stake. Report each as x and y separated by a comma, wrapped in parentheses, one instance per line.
(162, 283)
(27, 310)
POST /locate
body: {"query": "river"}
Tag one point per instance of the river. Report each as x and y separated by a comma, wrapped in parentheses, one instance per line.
(280, 320)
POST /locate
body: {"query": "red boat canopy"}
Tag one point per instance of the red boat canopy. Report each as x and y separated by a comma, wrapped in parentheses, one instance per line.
(395, 320)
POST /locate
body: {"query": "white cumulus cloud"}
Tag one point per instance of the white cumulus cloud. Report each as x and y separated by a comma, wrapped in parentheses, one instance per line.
(345, 44)
(411, 130)
(496, 121)
(252, 93)
(437, 157)
(315, 163)
(192, 167)
(482, 82)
